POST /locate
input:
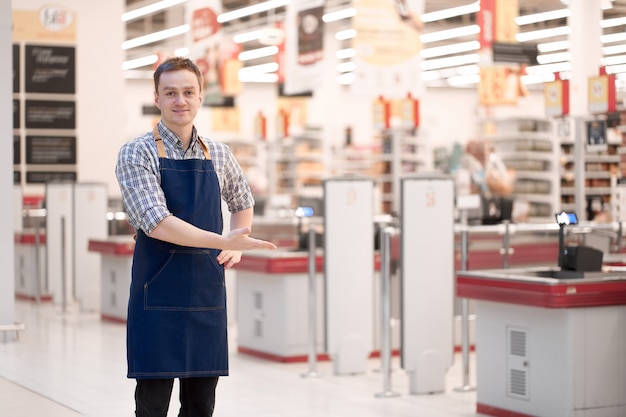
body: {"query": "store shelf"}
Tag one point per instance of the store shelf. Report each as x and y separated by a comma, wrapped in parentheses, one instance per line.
(529, 146)
(395, 153)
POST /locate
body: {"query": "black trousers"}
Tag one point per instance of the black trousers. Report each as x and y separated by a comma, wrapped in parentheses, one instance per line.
(197, 397)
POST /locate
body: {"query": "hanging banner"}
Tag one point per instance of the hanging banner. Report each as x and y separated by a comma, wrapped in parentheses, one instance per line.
(556, 97)
(49, 23)
(505, 27)
(485, 18)
(387, 47)
(601, 93)
(204, 38)
(498, 85)
(304, 46)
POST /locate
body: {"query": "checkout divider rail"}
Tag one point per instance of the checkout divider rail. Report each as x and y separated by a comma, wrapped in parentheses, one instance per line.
(312, 372)
(385, 316)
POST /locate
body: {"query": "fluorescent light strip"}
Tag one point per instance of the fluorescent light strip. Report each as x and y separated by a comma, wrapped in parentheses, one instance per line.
(452, 12)
(454, 61)
(155, 37)
(258, 78)
(259, 69)
(339, 15)
(613, 37)
(543, 33)
(250, 10)
(139, 62)
(552, 68)
(537, 78)
(450, 49)
(460, 80)
(614, 60)
(154, 7)
(184, 51)
(345, 53)
(610, 23)
(614, 50)
(346, 67)
(542, 17)
(258, 53)
(553, 46)
(345, 34)
(450, 33)
(248, 36)
(620, 70)
(346, 79)
(553, 58)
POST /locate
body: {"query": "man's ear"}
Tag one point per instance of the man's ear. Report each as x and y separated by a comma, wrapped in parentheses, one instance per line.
(156, 100)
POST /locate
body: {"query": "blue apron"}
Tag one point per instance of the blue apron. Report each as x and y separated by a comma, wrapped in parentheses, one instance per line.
(177, 308)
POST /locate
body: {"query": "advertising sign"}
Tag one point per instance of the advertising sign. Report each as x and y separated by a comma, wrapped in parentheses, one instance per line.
(50, 69)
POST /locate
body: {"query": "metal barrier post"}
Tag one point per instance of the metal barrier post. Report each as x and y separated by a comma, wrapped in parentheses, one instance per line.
(465, 344)
(312, 373)
(37, 264)
(506, 249)
(385, 298)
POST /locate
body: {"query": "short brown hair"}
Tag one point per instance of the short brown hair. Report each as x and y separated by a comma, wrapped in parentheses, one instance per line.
(176, 64)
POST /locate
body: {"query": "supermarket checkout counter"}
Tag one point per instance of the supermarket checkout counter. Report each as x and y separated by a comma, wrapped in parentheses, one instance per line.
(548, 346)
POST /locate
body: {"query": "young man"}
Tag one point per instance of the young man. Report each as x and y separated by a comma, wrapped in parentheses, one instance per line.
(172, 182)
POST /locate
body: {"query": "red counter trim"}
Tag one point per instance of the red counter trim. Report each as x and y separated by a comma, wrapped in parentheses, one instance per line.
(111, 248)
(28, 297)
(113, 319)
(498, 412)
(278, 358)
(29, 239)
(585, 294)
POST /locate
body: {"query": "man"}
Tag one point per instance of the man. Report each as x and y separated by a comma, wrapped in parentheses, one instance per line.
(172, 182)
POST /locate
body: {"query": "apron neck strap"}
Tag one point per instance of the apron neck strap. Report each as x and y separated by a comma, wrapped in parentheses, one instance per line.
(161, 148)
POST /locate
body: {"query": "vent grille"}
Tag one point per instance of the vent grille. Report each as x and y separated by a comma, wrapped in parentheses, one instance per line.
(517, 363)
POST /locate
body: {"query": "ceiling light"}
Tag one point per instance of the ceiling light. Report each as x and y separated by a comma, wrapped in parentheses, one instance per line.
(140, 62)
(345, 34)
(258, 53)
(550, 68)
(155, 37)
(258, 78)
(552, 58)
(453, 61)
(339, 15)
(452, 12)
(259, 69)
(450, 49)
(345, 53)
(154, 7)
(613, 37)
(614, 50)
(346, 66)
(553, 46)
(543, 33)
(614, 60)
(250, 10)
(346, 79)
(542, 17)
(610, 23)
(450, 33)
(460, 80)
(248, 36)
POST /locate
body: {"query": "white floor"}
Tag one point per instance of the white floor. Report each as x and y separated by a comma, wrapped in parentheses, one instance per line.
(73, 364)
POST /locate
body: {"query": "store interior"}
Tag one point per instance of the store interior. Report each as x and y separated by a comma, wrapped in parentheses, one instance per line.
(479, 174)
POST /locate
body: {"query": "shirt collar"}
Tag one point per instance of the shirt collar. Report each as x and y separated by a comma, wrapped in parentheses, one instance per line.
(170, 138)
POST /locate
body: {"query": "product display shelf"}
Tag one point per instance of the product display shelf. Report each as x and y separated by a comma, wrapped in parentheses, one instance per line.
(394, 154)
(528, 146)
(298, 163)
(245, 152)
(602, 169)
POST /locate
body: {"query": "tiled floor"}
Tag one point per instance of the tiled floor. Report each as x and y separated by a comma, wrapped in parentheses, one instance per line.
(73, 364)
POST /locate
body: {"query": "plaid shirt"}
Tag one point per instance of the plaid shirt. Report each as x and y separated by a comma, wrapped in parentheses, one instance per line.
(138, 174)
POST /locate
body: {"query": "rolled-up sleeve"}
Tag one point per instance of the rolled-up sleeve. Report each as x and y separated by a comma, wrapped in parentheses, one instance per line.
(139, 180)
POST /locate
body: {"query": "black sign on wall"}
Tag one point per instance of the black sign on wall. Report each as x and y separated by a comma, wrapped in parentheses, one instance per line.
(44, 114)
(42, 177)
(17, 153)
(50, 69)
(16, 114)
(17, 177)
(16, 68)
(50, 150)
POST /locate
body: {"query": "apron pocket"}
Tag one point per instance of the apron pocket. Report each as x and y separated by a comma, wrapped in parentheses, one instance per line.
(190, 280)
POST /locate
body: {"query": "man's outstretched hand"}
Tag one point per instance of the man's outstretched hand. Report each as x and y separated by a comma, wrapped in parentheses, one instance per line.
(239, 240)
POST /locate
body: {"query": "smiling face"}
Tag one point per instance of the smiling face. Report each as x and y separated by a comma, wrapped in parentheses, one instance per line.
(179, 97)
